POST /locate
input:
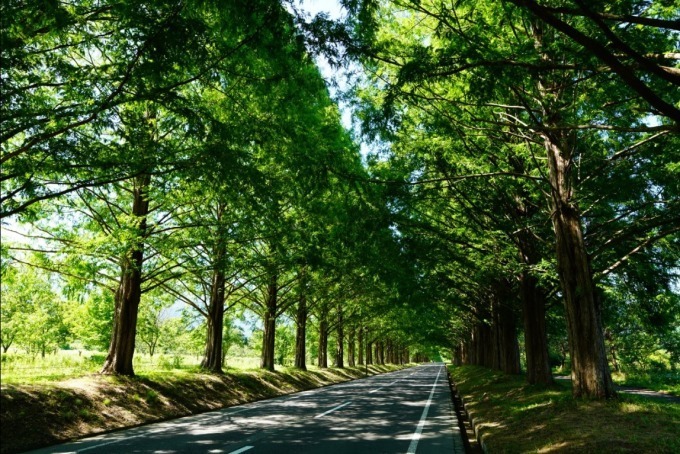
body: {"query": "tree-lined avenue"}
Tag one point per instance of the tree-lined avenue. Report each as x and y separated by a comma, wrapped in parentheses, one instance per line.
(405, 411)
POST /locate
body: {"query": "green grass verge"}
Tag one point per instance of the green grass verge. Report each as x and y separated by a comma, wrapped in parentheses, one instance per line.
(45, 413)
(666, 381)
(513, 417)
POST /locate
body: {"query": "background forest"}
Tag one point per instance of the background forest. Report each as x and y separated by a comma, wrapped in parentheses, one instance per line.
(179, 190)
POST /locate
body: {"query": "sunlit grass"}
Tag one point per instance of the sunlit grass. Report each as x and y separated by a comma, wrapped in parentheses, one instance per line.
(21, 368)
(664, 381)
(516, 417)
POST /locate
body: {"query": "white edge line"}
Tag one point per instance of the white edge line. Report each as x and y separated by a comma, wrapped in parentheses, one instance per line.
(333, 409)
(243, 449)
(419, 430)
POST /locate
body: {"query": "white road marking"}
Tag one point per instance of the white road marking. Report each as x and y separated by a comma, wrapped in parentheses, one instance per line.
(333, 409)
(419, 430)
(243, 449)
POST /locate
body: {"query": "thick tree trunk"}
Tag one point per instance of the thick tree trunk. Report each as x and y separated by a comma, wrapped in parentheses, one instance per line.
(269, 321)
(457, 355)
(504, 335)
(129, 292)
(590, 371)
(340, 344)
(369, 350)
(535, 338)
(465, 353)
(351, 347)
(482, 352)
(212, 359)
(389, 352)
(301, 333)
(360, 340)
(323, 340)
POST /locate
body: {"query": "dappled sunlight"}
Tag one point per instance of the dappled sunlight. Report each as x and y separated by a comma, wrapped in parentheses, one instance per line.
(95, 403)
(523, 418)
(378, 415)
(557, 447)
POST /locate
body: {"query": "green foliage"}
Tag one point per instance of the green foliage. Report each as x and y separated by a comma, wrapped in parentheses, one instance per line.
(33, 315)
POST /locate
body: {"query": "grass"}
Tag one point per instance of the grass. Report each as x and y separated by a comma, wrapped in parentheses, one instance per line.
(19, 368)
(663, 381)
(513, 417)
(47, 411)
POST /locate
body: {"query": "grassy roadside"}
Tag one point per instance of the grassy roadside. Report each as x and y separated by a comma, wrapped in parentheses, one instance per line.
(513, 417)
(42, 414)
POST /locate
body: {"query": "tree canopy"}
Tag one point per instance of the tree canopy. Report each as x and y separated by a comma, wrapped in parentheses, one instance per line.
(516, 199)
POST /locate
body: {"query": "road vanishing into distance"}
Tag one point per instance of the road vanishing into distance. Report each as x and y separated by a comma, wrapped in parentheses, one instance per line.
(407, 411)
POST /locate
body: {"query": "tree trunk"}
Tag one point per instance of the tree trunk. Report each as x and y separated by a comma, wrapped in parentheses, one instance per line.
(323, 339)
(351, 347)
(269, 337)
(360, 340)
(369, 350)
(129, 292)
(340, 347)
(535, 338)
(590, 371)
(506, 354)
(301, 333)
(212, 359)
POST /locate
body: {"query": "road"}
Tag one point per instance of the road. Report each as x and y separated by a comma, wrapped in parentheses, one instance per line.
(407, 411)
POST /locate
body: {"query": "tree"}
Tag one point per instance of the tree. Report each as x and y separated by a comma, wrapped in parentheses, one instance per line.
(32, 313)
(473, 77)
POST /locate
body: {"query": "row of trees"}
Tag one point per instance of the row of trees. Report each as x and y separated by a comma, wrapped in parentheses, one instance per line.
(40, 319)
(187, 152)
(533, 156)
(525, 160)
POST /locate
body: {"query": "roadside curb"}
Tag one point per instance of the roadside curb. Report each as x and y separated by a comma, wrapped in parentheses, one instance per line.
(464, 417)
(475, 428)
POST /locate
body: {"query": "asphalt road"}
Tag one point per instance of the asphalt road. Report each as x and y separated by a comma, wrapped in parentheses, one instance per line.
(407, 411)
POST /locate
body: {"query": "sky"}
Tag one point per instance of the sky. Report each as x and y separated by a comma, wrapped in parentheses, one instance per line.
(334, 11)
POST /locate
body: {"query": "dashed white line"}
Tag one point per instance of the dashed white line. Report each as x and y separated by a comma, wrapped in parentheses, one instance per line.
(333, 409)
(419, 430)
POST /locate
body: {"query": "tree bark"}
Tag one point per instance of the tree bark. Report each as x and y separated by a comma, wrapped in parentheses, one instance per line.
(360, 340)
(535, 337)
(351, 347)
(212, 359)
(301, 333)
(340, 344)
(129, 291)
(590, 371)
(269, 321)
(506, 346)
(369, 350)
(323, 339)
(380, 352)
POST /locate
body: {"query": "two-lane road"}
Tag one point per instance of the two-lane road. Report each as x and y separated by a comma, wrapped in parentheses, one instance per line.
(406, 411)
